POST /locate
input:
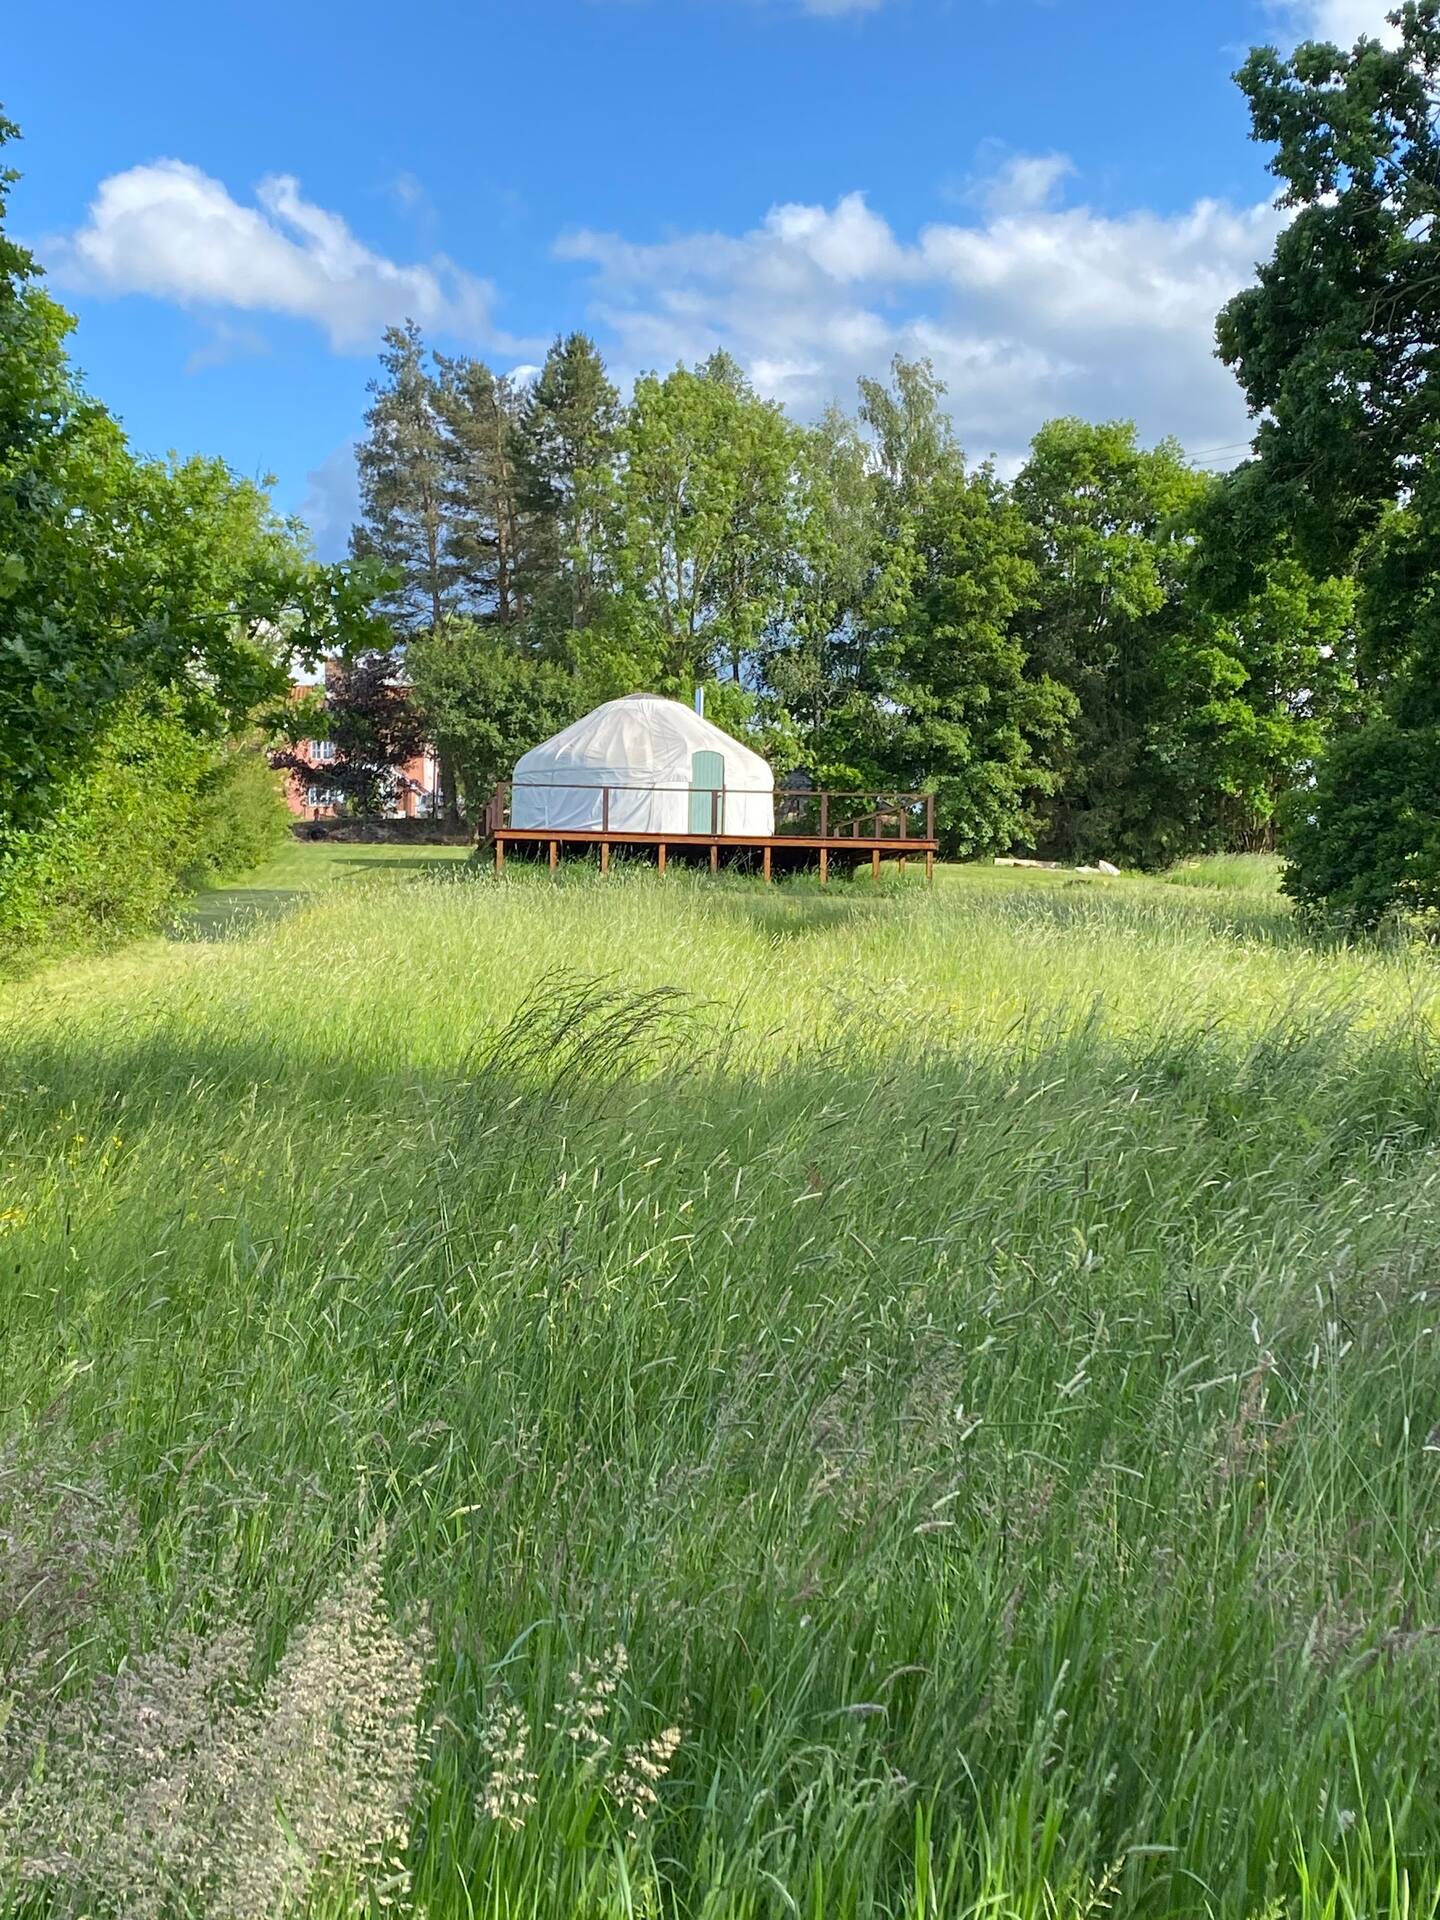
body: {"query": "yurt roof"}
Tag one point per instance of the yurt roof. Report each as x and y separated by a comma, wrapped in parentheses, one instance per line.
(646, 733)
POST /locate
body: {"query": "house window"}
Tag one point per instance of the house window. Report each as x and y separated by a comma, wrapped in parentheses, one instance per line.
(324, 750)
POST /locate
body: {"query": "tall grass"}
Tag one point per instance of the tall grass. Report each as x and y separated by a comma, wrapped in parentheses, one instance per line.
(974, 1353)
(1232, 872)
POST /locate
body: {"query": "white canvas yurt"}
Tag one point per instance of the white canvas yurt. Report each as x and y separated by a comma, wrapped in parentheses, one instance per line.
(661, 763)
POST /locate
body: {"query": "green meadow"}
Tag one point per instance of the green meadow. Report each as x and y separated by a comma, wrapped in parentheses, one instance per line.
(881, 1402)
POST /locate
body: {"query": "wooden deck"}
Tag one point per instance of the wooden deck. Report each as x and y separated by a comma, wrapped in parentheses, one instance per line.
(812, 838)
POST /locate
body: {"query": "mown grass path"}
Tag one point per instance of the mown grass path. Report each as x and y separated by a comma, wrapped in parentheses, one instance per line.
(974, 1351)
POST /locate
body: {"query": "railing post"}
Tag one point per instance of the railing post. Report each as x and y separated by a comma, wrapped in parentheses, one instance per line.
(929, 816)
(903, 810)
(714, 810)
(605, 809)
(824, 816)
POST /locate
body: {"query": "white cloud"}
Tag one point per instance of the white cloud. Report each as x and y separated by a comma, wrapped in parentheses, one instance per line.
(1024, 182)
(1343, 21)
(331, 505)
(407, 190)
(169, 230)
(224, 343)
(1028, 311)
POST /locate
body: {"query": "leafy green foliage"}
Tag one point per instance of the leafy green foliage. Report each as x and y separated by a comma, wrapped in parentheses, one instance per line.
(816, 657)
(240, 819)
(147, 610)
(1336, 343)
(1111, 683)
(703, 519)
(106, 865)
(155, 813)
(1364, 843)
(1110, 622)
(900, 642)
(962, 714)
(486, 700)
(1294, 641)
(1336, 347)
(144, 575)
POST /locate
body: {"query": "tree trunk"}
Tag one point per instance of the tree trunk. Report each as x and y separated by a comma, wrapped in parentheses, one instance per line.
(449, 797)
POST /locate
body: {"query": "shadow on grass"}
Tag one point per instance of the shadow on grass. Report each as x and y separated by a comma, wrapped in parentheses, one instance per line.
(230, 913)
(411, 865)
(1317, 1087)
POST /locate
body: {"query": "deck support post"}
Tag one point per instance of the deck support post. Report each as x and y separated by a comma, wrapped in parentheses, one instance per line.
(890, 831)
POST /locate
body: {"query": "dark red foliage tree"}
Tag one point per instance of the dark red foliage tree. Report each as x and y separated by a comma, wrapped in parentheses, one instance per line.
(372, 728)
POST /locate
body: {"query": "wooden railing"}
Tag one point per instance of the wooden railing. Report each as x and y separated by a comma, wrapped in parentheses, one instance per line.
(805, 812)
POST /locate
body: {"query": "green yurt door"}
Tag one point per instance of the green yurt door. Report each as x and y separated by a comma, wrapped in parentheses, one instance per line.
(707, 773)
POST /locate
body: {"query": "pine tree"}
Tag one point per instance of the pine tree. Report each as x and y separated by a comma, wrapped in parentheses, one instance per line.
(568, 431)
(479, 413)
(402, 484)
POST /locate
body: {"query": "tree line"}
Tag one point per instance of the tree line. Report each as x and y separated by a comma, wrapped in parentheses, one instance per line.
(1046, 654)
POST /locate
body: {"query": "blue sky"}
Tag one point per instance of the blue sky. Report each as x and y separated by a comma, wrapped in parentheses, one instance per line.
(1048, 197)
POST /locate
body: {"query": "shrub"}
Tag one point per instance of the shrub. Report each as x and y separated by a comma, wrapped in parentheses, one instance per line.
(240, 816)
(1364, 842)
(155, 814)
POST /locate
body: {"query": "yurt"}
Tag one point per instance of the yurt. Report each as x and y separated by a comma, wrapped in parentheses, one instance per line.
(661, 763)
